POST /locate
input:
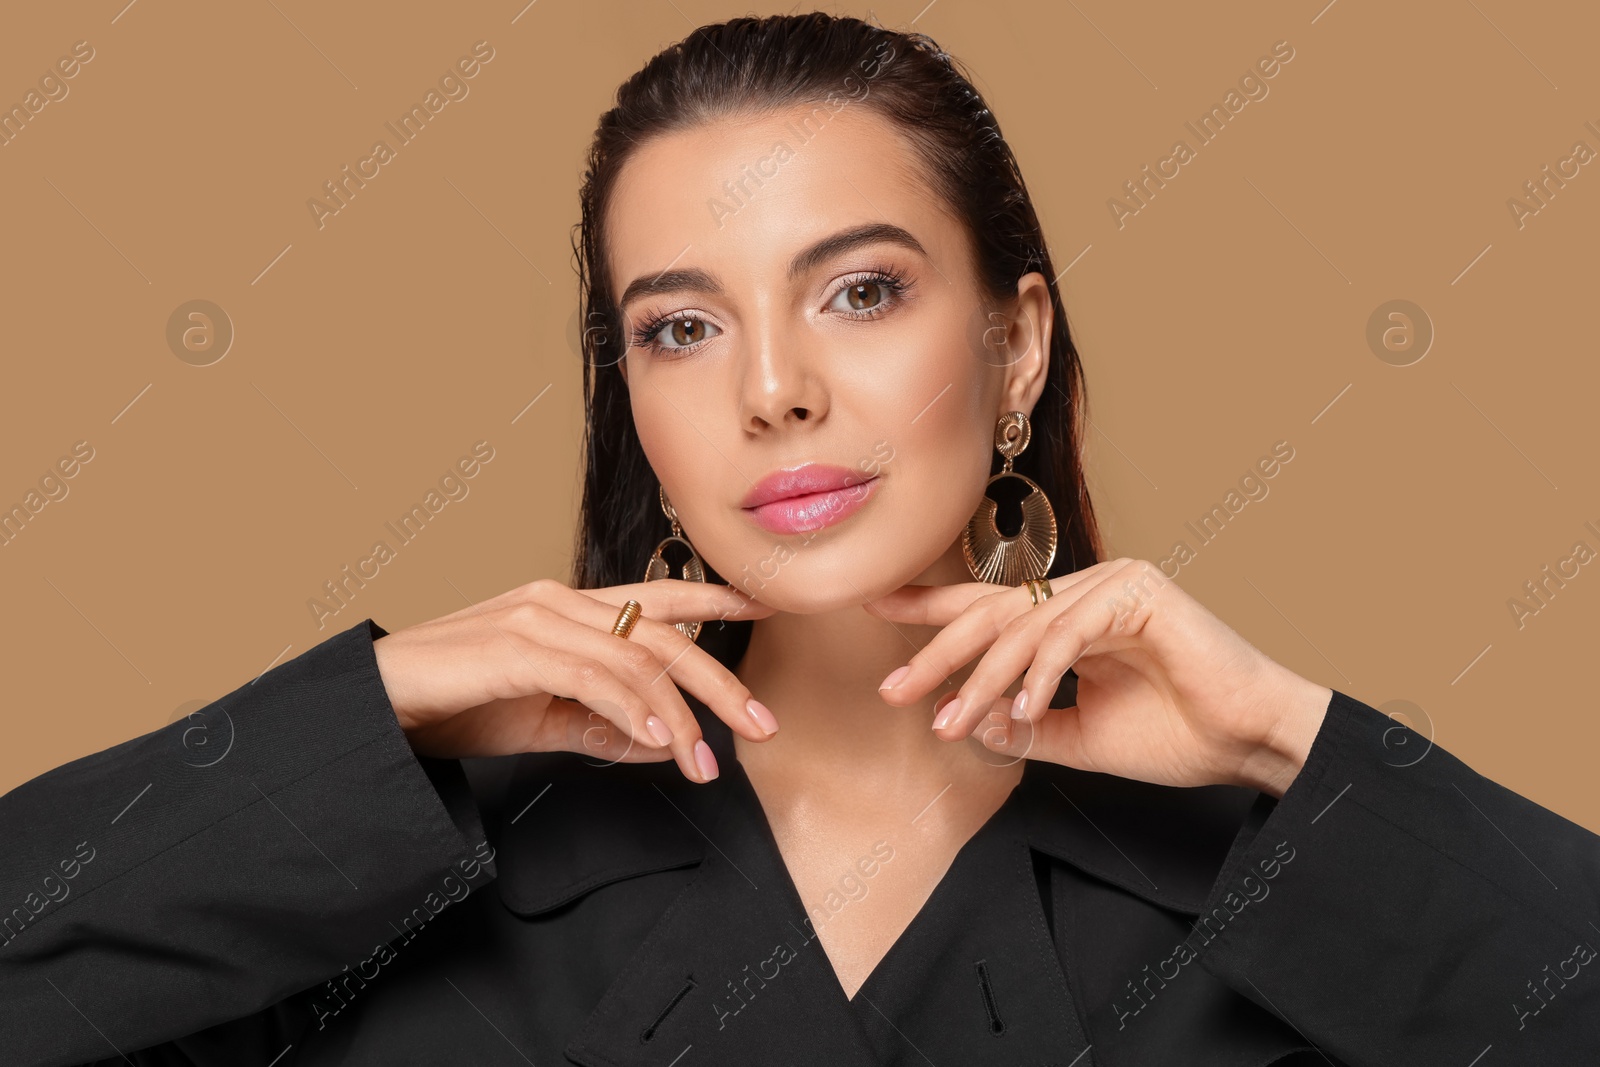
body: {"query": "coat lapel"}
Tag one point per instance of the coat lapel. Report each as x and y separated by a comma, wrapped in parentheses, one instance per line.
(571, 825)
(1167, 846)
(1162, 843)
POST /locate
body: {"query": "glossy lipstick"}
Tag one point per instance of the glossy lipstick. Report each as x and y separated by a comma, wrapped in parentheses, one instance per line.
(808, 497)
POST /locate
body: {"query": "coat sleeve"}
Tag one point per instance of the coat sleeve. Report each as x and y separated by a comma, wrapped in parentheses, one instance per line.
(223, 867)
(1396, 907)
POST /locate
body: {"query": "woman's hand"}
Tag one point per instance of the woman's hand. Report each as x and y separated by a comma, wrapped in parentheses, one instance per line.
(537, 669)
(1167, 692)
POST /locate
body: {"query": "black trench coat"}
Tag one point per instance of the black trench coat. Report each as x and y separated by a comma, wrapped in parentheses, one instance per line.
(280, 880)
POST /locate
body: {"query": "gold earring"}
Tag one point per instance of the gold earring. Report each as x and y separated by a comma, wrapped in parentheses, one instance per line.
(693, 569)
(991, 555)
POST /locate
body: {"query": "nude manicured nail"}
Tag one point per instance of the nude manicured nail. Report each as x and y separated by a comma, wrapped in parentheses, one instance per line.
(947, 716)
(704, 760)
(758, 711)
(895, 677)
(658, 730)
(1019, 706)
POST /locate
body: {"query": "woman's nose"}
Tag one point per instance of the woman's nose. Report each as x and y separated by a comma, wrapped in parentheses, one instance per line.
(781, 385)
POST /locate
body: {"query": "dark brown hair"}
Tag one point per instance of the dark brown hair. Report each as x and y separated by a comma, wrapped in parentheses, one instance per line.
(768, 63)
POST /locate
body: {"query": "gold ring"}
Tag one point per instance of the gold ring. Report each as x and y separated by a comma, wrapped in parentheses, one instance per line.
(626, 618)
(1039, 589)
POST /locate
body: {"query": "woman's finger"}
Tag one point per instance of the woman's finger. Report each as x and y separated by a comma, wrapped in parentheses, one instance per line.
(1056, 736)
(535, 723)
(667, 720)
(576, 677)
(676, 600)
(975, 629)
(1020, 636)
(939, 605)
(930, 605)
(668, 599)
(1022, 642)
(1114, 610)
(576, 728)
(682, 661)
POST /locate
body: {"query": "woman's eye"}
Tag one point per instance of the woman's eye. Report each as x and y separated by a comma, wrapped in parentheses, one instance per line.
(862, 296)
(682, 333)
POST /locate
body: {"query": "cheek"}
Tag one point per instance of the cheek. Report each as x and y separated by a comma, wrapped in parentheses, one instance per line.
(936, 415)
(670, 405)
(942, 469)
(674, 451)
(943, 444)
(694, 470)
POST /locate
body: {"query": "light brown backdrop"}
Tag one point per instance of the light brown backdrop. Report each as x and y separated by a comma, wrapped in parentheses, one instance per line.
(435, 310)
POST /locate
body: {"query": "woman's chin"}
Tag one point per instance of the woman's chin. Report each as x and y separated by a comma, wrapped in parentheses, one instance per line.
(819, 586)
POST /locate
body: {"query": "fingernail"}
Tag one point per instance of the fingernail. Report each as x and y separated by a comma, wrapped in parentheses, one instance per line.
(947, 716)
(658, 730)
(895, 677)
(704, 760)
(1019, 706)
(758, 711)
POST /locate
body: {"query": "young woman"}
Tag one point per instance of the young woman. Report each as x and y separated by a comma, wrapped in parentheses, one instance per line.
(832, 406)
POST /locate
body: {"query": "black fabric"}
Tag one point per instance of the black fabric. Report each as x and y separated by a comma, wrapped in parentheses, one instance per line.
(279, 880)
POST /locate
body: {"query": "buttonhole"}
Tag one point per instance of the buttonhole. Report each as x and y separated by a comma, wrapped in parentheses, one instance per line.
(997, 1025)
(649, 1032)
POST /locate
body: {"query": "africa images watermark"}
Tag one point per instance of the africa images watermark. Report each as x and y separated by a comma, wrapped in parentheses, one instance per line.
(53, 89)
(1540, 590)
(1209, 928)
(55, 889)
(411, 524)
(1541, 190)
(453, 87)
(1582, 953)
(1211, 524)
(53, 488)
(766, 168)
(454, 888)
(851, 888)
(1140, 192)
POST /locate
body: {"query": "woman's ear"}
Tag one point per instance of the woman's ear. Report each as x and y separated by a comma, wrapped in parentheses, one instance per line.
(1028, 343)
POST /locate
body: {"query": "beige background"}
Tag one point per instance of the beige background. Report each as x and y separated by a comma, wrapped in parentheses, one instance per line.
(1231, 312)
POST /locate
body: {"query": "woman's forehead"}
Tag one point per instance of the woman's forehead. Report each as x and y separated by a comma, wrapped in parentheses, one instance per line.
(746, 192)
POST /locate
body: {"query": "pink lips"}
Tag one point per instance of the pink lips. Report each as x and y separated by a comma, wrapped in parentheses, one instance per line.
(807, 497)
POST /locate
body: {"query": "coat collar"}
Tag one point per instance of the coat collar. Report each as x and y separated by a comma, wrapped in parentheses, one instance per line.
(733, 968)
(1165, 844)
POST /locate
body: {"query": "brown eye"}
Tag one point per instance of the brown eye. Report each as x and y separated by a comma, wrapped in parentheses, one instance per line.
(687, 331)
(864, 295)
(872, 293)
(684, 333)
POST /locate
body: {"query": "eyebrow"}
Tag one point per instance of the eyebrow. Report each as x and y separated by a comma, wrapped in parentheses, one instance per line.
(673, 281)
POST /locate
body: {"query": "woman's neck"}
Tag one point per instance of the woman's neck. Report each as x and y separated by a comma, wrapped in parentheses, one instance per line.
(819, 674)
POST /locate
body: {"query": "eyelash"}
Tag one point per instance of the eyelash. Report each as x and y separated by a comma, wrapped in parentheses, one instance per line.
(896, 285)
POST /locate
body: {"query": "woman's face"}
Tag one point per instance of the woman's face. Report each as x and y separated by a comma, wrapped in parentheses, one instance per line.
(796, 299)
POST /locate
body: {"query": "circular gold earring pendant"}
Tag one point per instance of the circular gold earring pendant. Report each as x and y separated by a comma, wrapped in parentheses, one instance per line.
(658, 567)
(992, 556)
